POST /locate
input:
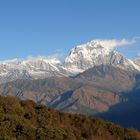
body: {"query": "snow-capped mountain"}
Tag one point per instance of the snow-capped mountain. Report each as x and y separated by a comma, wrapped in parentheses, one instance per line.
(80, 59)
(94, 53)
(137, 61)
(32, 68)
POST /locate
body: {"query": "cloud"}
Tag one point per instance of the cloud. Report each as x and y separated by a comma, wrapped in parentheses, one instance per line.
(58, 54)
(138, 55)
(115, 43)
(137, 38)
(53, 56)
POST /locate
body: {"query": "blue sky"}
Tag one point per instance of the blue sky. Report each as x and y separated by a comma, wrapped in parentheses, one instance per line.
(45, 27)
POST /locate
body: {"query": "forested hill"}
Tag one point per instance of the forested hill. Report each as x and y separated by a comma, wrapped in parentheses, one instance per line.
(24, 120)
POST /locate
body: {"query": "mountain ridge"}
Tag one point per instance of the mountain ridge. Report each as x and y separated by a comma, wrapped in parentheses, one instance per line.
(80, 59)
(92, 90)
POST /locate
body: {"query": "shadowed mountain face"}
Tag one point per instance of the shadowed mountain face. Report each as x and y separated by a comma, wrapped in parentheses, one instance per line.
(91, 92)
(127, 113)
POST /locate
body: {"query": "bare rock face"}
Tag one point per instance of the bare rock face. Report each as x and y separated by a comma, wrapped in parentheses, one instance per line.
(89, 98)
(109, 77)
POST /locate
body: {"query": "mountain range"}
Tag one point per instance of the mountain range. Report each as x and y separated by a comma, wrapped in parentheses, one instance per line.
(83, 93)
(92, 80)
(80, 59)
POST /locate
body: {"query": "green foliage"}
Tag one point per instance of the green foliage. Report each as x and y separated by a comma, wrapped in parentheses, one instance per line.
(23, 120)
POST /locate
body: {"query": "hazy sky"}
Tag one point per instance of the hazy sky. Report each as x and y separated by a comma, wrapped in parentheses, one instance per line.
(46, 27)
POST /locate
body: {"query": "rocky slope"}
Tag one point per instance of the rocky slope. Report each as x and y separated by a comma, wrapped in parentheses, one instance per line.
(127, 113)
(109, 77)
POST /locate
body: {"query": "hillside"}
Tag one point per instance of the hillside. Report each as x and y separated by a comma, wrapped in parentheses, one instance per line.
(24, 120)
